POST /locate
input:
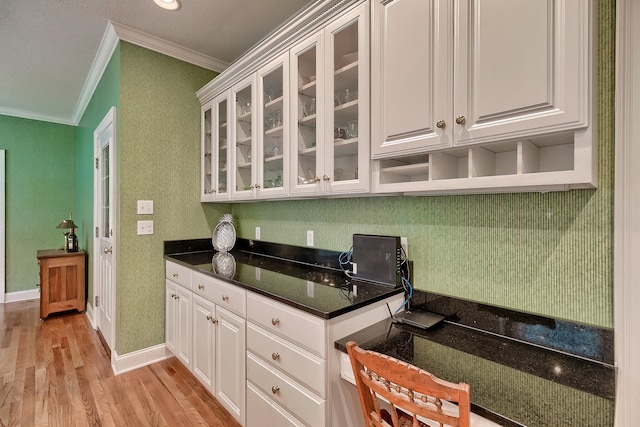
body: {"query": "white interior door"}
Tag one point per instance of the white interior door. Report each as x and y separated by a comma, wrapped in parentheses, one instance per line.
(104, 214)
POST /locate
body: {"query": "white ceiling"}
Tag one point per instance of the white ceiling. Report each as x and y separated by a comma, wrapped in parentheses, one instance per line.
(48, 47)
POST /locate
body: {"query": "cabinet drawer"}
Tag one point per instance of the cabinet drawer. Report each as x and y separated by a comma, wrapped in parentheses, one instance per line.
(178, 274)
(262, 411)
(303, 329)
(223, 294)
(292, 360)
(286, 392)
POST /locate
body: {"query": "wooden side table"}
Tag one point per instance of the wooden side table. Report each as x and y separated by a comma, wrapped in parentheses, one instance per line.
(61, 281)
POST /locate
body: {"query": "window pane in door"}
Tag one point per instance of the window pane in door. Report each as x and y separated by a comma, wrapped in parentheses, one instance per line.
(105, 191)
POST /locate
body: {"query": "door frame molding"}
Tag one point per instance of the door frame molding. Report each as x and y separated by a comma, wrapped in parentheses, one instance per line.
(109, 120)
(626, 217)
(3, 235)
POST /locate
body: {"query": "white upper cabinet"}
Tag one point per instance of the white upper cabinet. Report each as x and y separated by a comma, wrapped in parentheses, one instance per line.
(483, 96)
(330, 109)
(244, 149)
(215, 152)
(521, 69)
(411, 76)
(273, 122)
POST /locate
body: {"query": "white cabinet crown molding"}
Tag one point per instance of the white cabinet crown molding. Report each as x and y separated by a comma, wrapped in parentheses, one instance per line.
(309, 19)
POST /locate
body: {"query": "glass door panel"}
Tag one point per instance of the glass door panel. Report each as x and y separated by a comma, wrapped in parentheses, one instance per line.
(222, 149)
(274, 124)
(207, 187)
(345, 103)
(307, 108)
(245, 152)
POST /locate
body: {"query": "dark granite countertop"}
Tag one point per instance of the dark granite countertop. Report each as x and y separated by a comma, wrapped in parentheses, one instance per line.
(312, 283)
(530, 369)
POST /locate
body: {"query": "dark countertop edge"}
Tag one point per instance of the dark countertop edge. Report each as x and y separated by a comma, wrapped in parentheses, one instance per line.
(276, 297)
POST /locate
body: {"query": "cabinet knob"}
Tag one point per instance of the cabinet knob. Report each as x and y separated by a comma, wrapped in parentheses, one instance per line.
(214, 321)
(209, 317)
(275, 389)
(200, 286)
(275, 356)
(441, 124)
(225, 298)
(211, 191)
(461, 120)
(108, 250)
(257, 186)
(275, 321)
(326, 178)
(175, 275)
(173, 296)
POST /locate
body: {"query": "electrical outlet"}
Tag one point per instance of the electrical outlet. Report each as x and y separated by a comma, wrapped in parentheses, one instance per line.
(257, 233)
(309, 237)
(405, 246)
(145, 227)
(145, 207)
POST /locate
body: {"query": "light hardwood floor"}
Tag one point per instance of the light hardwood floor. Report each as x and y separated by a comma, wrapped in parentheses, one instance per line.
(56, 373)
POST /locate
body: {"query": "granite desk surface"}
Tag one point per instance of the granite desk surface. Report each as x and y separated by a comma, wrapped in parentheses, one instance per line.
(529, 369)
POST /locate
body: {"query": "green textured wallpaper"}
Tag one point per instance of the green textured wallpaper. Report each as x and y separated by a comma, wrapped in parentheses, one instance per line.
(106, 95)
(40, 192)
(159, 160)
(546, 253)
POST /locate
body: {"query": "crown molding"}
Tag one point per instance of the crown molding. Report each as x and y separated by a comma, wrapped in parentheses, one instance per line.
(154, 43)
(12, 112)
(283, 37)
(103, 56)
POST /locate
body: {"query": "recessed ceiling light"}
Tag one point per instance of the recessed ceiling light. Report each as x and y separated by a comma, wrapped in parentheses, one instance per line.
(168, 4)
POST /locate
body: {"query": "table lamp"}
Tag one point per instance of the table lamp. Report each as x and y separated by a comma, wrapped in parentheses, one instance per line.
(70, 238)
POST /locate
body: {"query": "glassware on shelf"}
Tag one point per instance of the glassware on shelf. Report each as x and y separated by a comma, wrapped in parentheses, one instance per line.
(352, 129)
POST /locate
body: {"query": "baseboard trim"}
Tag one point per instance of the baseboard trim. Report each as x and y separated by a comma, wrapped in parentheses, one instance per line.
(22, 295)
(89, 314)
(138, 359)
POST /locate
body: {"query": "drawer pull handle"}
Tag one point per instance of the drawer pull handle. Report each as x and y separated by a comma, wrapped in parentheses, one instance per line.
(275, 356)
(201, 286)
(275, 321)
(225, 298)
(275, 389)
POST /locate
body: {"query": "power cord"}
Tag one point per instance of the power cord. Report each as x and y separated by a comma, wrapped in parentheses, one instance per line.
(345, 261)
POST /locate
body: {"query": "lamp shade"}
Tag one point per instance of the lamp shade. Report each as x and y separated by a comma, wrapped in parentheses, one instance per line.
(67, 223)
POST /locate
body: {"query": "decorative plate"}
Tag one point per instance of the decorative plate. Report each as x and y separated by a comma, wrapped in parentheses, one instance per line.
(224, 235)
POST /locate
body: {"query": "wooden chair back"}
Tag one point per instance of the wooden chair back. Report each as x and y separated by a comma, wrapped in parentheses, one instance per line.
(410, 391)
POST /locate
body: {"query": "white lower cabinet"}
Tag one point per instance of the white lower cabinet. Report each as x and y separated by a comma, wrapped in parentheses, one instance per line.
(230, 369)
(178, 311)
(206, 335)
(263, 411)
(267, 363)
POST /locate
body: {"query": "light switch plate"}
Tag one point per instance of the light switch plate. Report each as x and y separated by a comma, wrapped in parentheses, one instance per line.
(145, 207)
(145, 227)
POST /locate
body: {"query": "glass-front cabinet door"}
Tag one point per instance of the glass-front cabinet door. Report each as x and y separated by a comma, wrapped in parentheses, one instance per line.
(330, 90)
(207, 184)
(307, 89)
(273, 144)
(347, 104)
(243, 136)
(215, 155)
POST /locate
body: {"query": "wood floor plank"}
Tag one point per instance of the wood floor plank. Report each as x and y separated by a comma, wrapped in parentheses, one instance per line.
(56, 373)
